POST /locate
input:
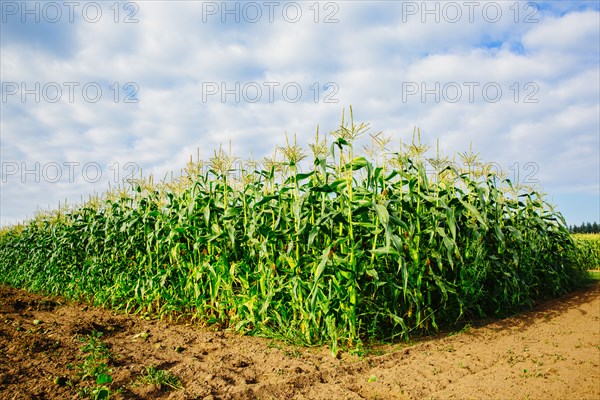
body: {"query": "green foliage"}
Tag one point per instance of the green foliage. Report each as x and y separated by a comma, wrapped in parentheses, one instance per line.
(95, 366)
(588, 246)
(585, 227)
(353, 249)
(160, 379)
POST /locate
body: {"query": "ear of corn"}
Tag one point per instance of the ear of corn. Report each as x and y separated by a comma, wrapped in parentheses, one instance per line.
(352, 250)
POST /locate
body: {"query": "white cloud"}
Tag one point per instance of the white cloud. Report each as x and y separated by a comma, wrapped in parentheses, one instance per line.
(371, 54)
(575, 33)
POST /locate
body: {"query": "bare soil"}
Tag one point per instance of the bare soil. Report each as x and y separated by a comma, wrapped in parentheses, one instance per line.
(552, 352)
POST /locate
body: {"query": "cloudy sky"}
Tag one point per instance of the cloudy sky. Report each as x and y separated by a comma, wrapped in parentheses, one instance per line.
(92, 91)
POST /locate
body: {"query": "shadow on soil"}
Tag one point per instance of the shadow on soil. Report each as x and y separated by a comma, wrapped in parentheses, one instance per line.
(543, 311)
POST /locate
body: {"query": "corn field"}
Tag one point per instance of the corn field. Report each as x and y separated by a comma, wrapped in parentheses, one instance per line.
(589, 249)
(363, 244)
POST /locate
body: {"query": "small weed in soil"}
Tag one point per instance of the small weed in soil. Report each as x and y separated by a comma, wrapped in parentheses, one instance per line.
(95, 367)
(160, 379)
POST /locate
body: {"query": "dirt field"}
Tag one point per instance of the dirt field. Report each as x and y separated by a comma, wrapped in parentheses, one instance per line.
(552, 352)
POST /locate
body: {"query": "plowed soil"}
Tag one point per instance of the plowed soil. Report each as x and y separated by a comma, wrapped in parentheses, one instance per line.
(552, 352)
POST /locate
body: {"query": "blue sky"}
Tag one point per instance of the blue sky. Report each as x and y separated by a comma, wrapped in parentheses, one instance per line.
(93, 91)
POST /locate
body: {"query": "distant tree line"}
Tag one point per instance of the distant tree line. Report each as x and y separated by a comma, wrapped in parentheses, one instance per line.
(585, 227)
